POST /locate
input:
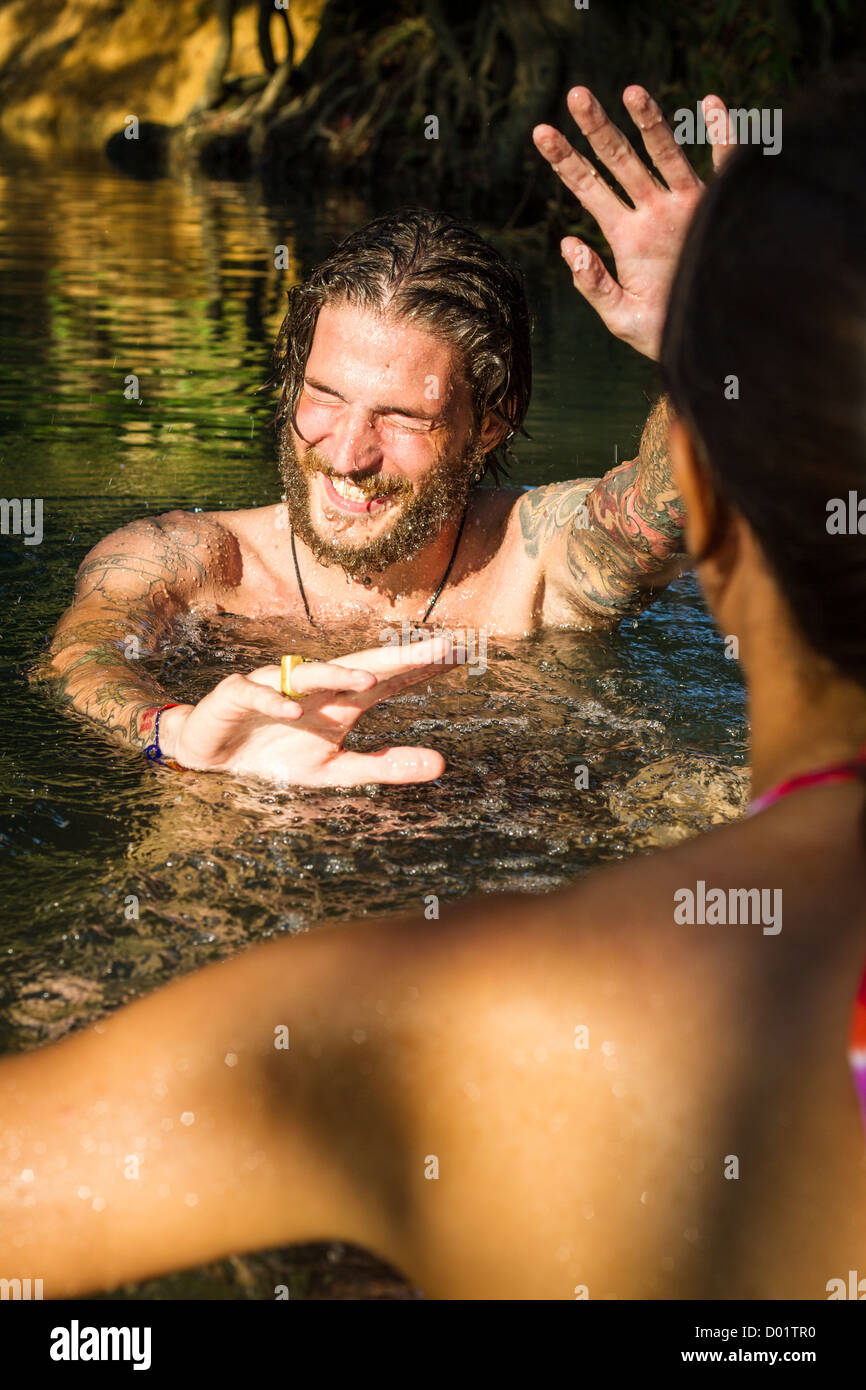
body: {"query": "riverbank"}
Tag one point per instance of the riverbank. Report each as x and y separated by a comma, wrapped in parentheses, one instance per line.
(72, 71)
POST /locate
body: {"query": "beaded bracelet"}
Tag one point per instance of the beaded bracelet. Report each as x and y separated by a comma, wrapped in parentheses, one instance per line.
(153, 752)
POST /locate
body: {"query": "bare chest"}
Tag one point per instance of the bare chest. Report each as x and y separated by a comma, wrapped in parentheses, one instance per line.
(497, 588)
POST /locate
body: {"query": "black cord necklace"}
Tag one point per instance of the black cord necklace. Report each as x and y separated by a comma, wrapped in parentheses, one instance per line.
(434, 599)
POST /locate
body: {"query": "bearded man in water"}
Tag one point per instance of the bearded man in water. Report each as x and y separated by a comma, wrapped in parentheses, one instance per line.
(404, 367)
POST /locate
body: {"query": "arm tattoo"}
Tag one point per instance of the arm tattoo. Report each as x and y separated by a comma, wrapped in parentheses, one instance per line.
(123, 606)
(90, 670)
(623, 550)
(168, 564)
(546, 511)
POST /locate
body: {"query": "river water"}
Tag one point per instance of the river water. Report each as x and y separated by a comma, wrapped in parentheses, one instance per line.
(173, 280)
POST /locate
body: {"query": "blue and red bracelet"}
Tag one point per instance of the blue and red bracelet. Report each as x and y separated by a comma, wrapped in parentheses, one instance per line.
(153, 752)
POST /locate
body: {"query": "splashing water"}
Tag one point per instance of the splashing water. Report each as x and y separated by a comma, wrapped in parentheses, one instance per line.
(118, 876)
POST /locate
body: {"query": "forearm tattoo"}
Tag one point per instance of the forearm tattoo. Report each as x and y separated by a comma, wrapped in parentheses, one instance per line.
(123, 605)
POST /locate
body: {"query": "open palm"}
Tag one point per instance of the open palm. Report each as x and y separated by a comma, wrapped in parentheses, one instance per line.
(645, 239)
(246, 725)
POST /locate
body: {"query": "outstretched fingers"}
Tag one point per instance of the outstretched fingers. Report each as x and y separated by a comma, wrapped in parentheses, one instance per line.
(314, 678)
(579, 176)
(391, 765)
(659, 141)
(430, 664)
(398, 657)
(339, 691)
(610, 145)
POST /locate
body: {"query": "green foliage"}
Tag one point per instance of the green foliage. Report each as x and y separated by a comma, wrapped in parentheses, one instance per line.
(492, 69)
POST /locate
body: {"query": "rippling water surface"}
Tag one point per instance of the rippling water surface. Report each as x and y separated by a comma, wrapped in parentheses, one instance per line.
(174, 281)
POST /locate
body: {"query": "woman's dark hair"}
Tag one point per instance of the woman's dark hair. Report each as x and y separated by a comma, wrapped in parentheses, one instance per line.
(764, 354)
(430, 270)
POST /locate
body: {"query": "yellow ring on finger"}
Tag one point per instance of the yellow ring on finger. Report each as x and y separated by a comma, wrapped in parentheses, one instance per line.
(287, 666)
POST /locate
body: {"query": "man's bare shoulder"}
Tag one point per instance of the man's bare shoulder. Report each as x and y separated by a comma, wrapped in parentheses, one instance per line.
(543, 514)
(176, 549)
(527, 519)
(535, 537)
(177, 528)
(255, 531)
(246, 521)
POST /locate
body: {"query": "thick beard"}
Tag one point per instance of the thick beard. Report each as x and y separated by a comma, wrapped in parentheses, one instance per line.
(441, 497)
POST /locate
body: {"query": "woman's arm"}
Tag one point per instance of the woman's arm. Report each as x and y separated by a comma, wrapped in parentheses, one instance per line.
(384, 1084)
(417, 1088)
(219, 1114)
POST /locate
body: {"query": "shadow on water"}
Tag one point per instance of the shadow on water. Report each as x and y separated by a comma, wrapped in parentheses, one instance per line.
(118, 876)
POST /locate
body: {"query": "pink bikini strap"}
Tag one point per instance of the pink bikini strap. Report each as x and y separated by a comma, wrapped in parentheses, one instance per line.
(836, 772)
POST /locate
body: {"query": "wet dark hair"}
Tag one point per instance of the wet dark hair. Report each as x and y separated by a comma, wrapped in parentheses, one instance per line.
(771, 290)
(432, 271)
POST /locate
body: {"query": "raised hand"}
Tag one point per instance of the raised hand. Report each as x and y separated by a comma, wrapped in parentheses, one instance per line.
(645, 239)
(247, 726)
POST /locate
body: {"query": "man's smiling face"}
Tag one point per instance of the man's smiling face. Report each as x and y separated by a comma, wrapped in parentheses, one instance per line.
(385, 447)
